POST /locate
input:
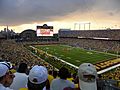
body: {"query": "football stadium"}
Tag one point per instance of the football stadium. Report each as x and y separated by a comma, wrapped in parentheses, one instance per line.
(69, 49)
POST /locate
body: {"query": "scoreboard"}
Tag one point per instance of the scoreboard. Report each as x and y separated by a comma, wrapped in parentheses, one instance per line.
(44, 30)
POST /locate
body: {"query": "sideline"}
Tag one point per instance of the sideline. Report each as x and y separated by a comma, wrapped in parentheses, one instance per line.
(99, 72)
(107, 69)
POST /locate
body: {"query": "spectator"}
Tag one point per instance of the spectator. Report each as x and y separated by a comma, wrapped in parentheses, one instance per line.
(50, 76)
(37, 78)
(6, 77)
(112, 82)
(87, 77)
(75, 80)
(21, 79)
(55, 74)
(62, 82)
(70, 78)
(100, 82)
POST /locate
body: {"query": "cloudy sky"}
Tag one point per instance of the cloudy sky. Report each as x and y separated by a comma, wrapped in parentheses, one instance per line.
(26, 14)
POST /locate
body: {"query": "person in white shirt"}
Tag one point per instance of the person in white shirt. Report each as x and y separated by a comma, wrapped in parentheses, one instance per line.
(21, 78)
(6, 77)
(37, 78)
(62, 82)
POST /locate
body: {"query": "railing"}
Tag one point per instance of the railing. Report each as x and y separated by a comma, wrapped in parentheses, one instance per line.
(106, 85)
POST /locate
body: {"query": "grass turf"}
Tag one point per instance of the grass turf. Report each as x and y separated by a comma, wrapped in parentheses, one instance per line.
(75, 55)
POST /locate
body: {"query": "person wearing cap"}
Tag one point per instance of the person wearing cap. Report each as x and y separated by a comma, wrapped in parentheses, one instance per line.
(87, 74)
(21, 78)
(6, 77)
(37, 78)
(62, 82)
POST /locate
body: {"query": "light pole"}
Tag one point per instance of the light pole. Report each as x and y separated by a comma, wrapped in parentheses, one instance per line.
(82, 24)
(89, 25)
(79, 26)
(75, 25)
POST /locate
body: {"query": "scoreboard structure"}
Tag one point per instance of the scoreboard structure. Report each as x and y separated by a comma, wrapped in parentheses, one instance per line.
(44, 30)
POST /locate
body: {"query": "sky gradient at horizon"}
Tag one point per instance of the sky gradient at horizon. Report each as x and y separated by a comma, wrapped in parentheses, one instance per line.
(27, 14)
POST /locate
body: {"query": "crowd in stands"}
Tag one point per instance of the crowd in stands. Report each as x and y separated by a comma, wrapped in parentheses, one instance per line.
(16, 52)
(38, 78)
(114, 74)
(108, 40)
(38, 75)
(104, 64)
(91, 44)
(113, 34)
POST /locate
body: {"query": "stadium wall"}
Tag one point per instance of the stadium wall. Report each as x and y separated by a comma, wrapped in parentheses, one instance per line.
(113, 34)
(91, 44)
(100, 40)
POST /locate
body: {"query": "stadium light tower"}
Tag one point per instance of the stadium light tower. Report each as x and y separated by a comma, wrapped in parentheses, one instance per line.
(82, 24)
(79, 26)
(75, 25)
(89, 25)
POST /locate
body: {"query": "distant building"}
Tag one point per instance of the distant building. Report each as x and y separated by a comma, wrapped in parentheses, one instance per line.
(28, 34)
(2, 36)
(31, 35)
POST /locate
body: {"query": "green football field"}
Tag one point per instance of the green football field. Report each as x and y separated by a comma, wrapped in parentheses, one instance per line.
(75, 55)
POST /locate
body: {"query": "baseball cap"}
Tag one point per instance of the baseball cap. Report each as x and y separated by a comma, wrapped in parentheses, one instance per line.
(38, 74)
(87, 76)
(8, 64)
(3, 69)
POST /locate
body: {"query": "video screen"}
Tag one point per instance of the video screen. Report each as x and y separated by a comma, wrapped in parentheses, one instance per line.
(44, 30)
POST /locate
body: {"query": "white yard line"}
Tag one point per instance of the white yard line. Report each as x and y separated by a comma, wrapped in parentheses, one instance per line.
(99, 72)
(107, 69)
